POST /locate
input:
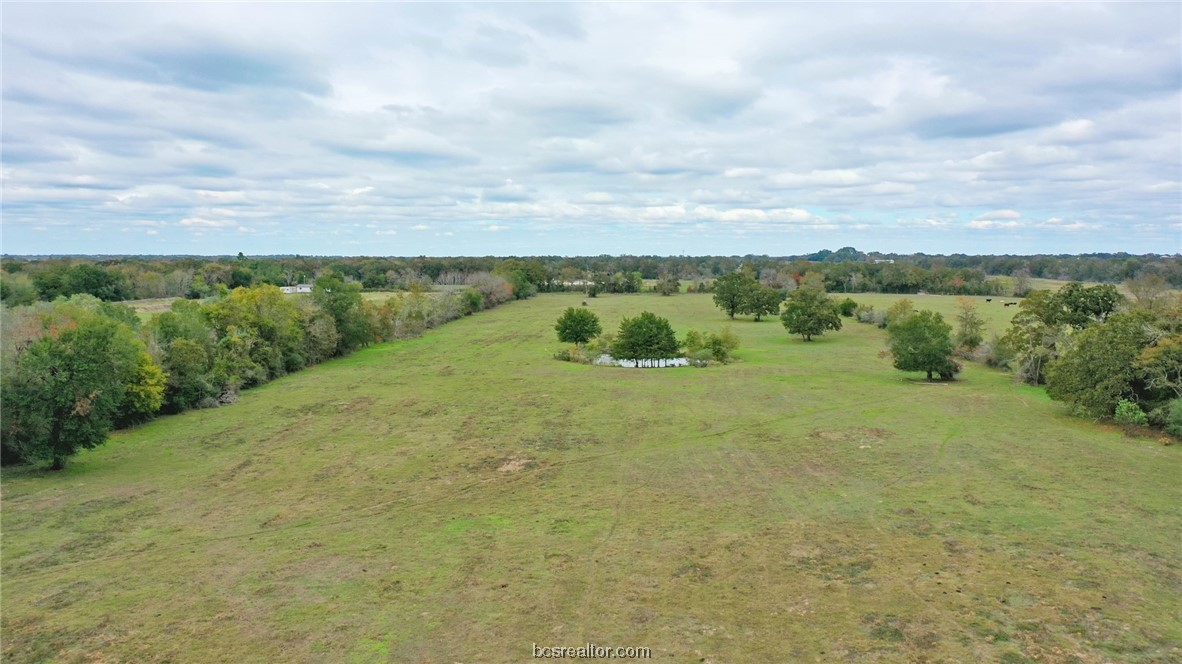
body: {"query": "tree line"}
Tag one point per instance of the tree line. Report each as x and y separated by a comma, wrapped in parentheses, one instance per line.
(25, 280)
(73, 368)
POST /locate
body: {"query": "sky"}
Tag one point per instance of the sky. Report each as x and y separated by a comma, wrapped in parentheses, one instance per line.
(591, 128)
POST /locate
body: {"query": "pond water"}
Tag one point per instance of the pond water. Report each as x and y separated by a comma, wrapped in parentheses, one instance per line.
(607, 361)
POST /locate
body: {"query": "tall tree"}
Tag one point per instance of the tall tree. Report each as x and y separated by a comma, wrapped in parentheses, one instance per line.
(647, 337)
(731, 291)
(578, 326)
(970, 331)
(1099, 369)
(66, 390)
(343, 302)
(809, 312)
(922, 342)
(761, 301)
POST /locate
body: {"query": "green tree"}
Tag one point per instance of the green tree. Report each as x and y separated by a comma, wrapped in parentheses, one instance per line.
(17, 289)
(104, 284)
(899, 310)
(761, 301)
(578, 326)
(188, 381)
(269, 316)
(922, 342)
(1080, 306)
(809, 312)
(731, 292)
(343, 302)
(1099, 368)
(68, 388)
(145, 391)
(647, 337)
(970, 331)
(669, 284)
(1161, 365)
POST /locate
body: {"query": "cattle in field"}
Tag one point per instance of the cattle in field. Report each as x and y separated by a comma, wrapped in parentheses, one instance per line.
(988, 299)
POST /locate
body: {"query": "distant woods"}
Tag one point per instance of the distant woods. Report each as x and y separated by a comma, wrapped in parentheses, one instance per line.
(24, 281)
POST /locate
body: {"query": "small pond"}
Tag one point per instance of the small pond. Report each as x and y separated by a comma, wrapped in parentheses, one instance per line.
(607, 361)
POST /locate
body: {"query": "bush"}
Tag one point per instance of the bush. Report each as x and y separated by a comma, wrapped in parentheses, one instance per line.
(847, 307)
(1129, 415)
(702, 347)
(728, 339)
(865, 313)
(471, 301)
(564, 355)
(996, 353)
(1173, 418)
(701, 358)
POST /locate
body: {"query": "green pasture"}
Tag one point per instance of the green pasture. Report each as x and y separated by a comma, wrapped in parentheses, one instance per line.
(462, 496)
(997, 316)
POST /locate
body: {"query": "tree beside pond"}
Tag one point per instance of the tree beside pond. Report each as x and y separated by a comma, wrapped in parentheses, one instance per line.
(645, 337)
(578, 326)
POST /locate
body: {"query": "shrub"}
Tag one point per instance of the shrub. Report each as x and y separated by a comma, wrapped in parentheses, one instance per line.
(847, 307)
(865, 313)
(1129, 415)
(701, 358)
(997, 353)
(563, 355)
(1173, 419)
(728, 338)
(471, 301)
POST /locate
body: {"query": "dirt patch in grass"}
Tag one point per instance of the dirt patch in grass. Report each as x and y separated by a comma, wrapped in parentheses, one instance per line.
(858, 435)
(561, 439)
(515, 464)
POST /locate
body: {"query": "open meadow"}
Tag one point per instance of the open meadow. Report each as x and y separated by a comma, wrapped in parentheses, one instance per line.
(462, 496)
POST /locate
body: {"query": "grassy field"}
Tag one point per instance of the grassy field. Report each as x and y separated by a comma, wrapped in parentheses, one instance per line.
(462, 496)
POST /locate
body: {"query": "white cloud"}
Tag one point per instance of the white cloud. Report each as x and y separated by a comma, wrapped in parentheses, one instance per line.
(872, 125)
(821, 178)
(989, 224)
(999, 215)
(198, 222)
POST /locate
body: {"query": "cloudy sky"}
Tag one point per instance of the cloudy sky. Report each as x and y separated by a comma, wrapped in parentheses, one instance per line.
(407, 129)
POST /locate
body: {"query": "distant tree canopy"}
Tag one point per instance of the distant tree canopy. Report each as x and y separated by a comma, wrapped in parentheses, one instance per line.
(578, 326)
(922, 341)
(846, 270)
(645, 337)
(809, 312)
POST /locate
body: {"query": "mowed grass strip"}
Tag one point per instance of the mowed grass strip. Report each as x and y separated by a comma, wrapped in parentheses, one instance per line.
(461, 496)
